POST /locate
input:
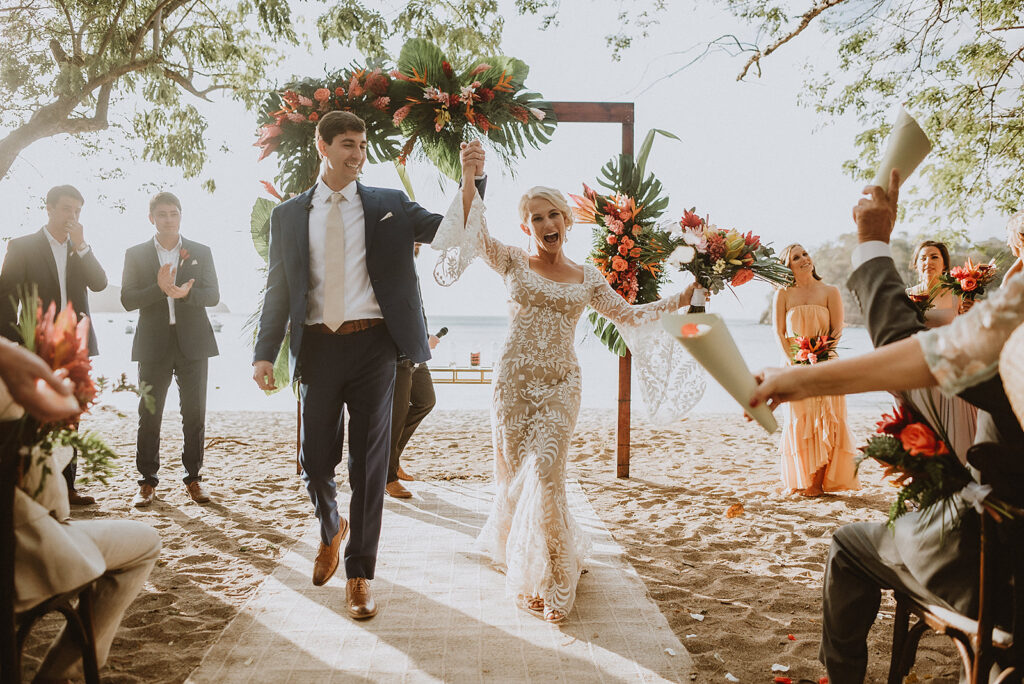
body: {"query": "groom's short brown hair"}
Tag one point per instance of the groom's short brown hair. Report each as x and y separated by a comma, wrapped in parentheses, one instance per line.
(338, 122)
(164, 198)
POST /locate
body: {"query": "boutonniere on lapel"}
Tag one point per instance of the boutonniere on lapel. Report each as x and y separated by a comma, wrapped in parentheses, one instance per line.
(183, 257)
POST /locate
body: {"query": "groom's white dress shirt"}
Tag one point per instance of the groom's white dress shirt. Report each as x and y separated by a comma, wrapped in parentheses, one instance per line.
(360, 301)
(60, 256)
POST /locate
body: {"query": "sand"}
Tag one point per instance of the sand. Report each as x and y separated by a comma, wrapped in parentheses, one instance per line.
(755, 578)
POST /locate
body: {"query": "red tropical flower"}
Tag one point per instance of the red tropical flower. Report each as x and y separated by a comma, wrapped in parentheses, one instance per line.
(691, 220)
(62, 341)
(447, 69)
(893, 424)
(744, 275)
(314, 117)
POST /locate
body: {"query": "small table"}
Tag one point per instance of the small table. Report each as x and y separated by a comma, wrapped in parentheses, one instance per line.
(461, 375)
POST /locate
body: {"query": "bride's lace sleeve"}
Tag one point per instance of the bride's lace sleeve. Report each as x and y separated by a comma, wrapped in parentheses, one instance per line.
(462, 241)
(966, 352)
(670, 380)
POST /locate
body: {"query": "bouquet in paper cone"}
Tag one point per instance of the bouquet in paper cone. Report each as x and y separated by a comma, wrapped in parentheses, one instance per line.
(970, 280)
(918, 459)
(813, 349)
(720, 258)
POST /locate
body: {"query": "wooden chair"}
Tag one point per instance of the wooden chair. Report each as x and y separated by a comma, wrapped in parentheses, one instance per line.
(1001, 577)
(76, 606)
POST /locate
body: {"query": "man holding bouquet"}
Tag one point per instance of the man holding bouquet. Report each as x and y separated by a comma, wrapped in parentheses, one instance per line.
(171, 281)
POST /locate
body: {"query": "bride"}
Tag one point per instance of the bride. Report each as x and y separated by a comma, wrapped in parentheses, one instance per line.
(530, 532)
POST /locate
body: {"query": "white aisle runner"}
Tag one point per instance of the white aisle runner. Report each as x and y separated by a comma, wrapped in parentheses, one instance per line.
(443, 613)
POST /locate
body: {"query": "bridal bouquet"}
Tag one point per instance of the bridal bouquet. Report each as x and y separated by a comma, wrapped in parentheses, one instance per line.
(919, 460)
(969, 281)
(922, 301)
(813, 349)
(720, 258)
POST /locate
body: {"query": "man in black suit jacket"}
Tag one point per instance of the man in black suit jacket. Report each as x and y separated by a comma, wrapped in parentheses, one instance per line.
(342, 278)
(59, 263)
(925, 555)
(171, 281)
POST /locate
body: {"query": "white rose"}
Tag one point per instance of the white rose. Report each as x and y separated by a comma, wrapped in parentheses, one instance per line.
(682, 255)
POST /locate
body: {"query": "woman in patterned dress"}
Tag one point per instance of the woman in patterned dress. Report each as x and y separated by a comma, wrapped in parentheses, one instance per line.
(530, 532)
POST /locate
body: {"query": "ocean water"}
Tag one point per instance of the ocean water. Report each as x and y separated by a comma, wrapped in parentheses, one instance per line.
(231, 387)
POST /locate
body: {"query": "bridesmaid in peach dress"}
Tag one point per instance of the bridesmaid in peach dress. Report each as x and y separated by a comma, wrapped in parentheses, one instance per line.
(956, 417)
(817, 450)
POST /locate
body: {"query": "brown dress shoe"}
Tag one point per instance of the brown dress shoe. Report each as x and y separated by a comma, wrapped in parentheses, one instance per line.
(404, 476)
(327, 556)
(397, 490)
(197, 493)
(360, 602)
(76, 499)
(144, 496)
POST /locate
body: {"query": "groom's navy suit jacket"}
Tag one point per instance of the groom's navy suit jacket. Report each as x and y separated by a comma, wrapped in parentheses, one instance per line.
(393, 224)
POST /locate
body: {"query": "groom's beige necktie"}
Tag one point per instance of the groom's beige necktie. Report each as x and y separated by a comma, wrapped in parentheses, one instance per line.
(334, 265)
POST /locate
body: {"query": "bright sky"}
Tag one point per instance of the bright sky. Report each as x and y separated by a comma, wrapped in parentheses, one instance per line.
(750, 156)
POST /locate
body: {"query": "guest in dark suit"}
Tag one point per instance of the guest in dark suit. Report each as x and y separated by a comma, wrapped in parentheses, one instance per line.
(171, 281)
(925, 555)
(414, 399)
(62, 266)
(341, 275)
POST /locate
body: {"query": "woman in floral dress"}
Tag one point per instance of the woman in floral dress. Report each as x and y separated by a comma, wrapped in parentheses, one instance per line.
(530, 532)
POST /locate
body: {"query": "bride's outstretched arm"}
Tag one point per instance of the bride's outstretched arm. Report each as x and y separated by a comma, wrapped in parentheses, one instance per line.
(612, 306)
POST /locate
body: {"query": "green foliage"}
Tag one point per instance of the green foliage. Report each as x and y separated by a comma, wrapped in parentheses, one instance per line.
(259, 226)
(956, 65)
(79, 67)
(459, 27)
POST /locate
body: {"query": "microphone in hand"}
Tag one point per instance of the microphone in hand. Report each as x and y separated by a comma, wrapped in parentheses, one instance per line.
(441, 333)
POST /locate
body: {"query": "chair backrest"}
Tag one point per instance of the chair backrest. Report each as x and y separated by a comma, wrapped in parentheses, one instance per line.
(9, 461)
(1002, 555)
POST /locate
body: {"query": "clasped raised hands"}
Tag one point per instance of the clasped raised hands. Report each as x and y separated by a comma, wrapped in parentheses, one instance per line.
(165, 279)
(471, 155)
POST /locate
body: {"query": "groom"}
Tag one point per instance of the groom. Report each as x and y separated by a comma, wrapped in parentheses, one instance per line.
(341, 275)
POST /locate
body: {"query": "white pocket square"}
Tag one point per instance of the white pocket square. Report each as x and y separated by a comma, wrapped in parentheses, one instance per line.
(194, 262)
(385, 217)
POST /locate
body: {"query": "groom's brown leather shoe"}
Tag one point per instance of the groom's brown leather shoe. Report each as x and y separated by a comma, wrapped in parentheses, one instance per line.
(75, 498)
(360, 602)
(404, 476)
(327, 556)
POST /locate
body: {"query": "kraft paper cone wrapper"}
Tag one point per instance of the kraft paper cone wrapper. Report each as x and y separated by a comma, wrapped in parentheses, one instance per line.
(906, 149)
(714, 348)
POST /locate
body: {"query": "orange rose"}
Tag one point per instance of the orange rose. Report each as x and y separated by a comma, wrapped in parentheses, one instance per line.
(968, 284)
(920, 440)
(624, 250)
(321, 94)
(627, 243)
(637, 229)
(619, 264)
(612, 239)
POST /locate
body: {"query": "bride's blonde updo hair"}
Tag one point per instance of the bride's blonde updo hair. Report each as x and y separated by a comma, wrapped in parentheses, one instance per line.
(1015, 233)
(551, 195)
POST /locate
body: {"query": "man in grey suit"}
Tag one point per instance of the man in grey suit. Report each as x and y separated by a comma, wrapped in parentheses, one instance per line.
(924, 556)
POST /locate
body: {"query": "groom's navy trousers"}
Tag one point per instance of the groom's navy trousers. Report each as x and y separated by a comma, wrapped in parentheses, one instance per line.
(354, 372)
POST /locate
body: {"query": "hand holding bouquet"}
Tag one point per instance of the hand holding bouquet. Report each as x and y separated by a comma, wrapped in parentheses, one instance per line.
(969, 281)
(812, 349)
(720, 258)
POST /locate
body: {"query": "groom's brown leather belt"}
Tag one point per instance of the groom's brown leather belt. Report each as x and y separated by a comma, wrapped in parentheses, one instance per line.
(347, 327)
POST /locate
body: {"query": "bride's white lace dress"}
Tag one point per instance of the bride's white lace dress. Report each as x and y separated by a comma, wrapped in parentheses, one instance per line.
(530, 532)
